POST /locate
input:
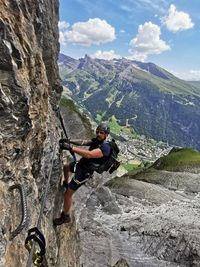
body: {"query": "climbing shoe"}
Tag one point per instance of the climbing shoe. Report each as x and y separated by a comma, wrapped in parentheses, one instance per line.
(64, 218)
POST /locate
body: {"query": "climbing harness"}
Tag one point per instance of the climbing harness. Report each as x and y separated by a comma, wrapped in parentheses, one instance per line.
(23, 222)
(35, 241)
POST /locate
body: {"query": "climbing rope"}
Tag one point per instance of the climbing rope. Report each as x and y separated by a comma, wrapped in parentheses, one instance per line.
(62, 123)
(35, 241)
(65, 132)
(24, 210)
(47, 186)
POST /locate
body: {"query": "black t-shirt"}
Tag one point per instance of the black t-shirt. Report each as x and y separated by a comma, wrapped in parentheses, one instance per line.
(105, 148)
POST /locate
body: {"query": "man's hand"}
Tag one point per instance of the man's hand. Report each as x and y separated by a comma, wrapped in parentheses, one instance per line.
(65, 146)
(64, 140)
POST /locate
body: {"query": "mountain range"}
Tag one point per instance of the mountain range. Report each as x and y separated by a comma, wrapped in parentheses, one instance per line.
(140, 95)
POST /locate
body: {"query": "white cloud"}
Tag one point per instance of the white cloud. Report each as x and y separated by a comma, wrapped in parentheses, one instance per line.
(147, 42)
(195, 74)
(192, 75)
(107, 55)
(63, 25)
(94, 31)
(177, 20)
(130, 6)
(62, 38)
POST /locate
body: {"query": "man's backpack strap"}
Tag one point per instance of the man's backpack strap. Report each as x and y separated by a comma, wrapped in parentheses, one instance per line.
(111, 164)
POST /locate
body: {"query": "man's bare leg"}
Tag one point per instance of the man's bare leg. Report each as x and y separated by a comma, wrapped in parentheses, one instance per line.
(66, 171)
(68, 200)
(65, 215)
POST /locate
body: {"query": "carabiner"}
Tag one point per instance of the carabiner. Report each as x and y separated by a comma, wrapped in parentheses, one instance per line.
(35, 238)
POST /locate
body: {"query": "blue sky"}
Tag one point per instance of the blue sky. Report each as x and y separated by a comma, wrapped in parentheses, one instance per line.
(164, 32)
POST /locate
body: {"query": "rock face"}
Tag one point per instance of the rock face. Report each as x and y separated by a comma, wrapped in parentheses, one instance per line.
(29, 93)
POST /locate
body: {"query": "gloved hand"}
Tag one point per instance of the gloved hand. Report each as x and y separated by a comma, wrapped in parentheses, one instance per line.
(65, 146)
(64, 140)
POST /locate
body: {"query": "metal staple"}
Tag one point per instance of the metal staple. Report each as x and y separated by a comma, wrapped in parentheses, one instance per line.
(24, 210)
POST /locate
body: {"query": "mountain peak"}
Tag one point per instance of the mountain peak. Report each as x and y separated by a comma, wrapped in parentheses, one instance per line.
(87, 56)
(84, 62)
(152, 69)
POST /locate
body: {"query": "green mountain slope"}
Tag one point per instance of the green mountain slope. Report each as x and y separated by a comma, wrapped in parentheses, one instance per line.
(179, 160)
(146, 97)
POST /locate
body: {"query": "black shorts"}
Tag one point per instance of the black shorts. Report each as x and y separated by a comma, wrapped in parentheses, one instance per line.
(81, 176)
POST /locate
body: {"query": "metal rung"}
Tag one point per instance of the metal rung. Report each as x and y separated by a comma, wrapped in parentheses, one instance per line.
(24, 210)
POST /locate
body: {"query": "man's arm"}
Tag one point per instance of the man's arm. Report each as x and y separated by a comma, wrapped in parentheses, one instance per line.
(95, 153)
(79, 142)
